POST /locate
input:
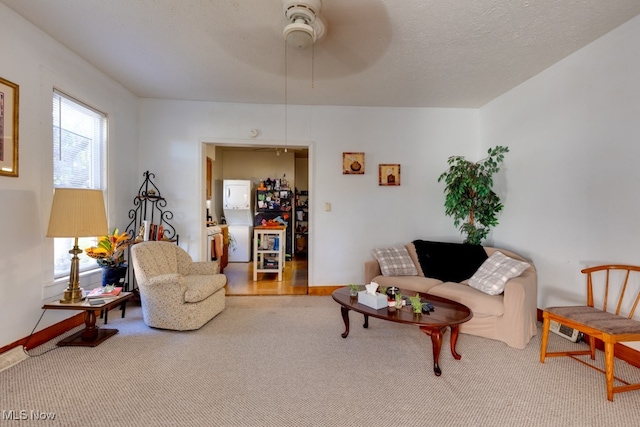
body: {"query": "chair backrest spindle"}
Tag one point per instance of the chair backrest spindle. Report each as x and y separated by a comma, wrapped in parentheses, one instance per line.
(609, 284)
(624, 289)
(606, 292)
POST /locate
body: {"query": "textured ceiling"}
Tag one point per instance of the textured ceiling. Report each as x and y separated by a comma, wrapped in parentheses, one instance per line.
(413, 53)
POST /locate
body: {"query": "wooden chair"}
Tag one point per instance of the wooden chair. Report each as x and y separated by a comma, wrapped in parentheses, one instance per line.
(609, 327)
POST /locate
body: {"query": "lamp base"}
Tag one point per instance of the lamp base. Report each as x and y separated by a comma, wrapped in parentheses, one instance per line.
(72, 296)
(73, 293)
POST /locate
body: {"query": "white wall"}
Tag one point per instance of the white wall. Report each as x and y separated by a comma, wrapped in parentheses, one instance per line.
(569, 182)
(364, 215)
(572, 178)
(37, 64)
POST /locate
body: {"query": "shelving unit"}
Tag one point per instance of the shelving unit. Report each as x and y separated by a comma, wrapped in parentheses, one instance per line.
(301, 221)
(273, 207)
(268, 250)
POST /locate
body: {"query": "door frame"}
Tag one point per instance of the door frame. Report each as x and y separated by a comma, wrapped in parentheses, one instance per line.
(309, 145)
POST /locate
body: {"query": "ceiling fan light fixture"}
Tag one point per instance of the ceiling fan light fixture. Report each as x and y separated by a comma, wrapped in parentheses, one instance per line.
(299, 34)
(305, 26)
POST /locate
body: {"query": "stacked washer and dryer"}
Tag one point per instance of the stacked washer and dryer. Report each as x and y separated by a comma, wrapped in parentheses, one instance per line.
(237, 205)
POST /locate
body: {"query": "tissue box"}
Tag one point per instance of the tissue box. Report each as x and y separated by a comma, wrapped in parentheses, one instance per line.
(376, 301)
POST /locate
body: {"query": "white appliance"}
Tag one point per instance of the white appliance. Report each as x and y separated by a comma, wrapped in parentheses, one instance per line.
(240, 247)
(565, 331)
(237, 202)
(237, 205)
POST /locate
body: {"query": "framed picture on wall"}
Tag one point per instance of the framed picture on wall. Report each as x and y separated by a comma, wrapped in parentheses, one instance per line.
(389, 174)
(353, 163)
(8, 128)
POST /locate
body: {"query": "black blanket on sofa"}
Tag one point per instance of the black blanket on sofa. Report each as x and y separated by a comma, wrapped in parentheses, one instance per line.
(449, 262)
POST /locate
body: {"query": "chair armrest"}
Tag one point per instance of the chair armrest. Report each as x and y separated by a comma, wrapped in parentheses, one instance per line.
(165, 287)
(520, 307)
(204, 267)
(371, 270)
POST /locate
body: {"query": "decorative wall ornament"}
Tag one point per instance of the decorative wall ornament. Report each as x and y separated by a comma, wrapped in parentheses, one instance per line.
(9, 97)
(353, 163)
(389, 174)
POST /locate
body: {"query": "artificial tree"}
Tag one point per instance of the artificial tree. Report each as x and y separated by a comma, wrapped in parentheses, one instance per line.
(469, 195)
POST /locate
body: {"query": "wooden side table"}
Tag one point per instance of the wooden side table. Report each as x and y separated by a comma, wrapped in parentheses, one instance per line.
(91, 335)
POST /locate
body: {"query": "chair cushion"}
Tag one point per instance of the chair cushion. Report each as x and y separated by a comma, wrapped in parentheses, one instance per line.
(495, 272)
(598, 319)
(479, 302)
(449, 262)
(201, 287)
(395, 261)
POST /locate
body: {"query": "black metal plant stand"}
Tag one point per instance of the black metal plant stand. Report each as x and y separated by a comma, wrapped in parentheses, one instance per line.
(148, 205)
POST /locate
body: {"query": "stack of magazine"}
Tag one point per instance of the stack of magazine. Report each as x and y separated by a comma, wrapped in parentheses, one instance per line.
(104, 292)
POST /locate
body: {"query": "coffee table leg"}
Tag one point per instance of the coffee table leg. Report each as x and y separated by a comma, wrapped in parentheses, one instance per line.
(345, 318)
(366, 321)
(454, 339)
(436, 344)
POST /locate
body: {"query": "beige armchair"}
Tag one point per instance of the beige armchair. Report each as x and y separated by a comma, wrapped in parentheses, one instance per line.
(175, 292)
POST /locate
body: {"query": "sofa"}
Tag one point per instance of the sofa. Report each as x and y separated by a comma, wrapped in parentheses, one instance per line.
(504, 305)
(176, 292)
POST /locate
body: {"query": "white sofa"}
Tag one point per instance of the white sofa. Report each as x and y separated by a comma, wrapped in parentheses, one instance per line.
(510, 317)
(175, 292)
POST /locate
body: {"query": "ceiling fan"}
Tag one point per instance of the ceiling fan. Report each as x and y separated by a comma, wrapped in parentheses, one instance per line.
(305, 25)
(347, 46)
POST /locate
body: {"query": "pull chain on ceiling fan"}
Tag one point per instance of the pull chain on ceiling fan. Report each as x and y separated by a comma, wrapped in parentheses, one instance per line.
(305, 27)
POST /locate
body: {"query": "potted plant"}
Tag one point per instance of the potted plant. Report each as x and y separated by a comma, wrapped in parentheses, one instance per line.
(416, 304)
(469, 195)
(398, 301)
(353, 290)
(109, 254)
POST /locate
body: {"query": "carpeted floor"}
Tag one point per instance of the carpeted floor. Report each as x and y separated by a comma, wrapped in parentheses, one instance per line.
(280, 361)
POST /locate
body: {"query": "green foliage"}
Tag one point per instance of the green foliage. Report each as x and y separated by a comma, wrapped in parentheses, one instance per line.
(470, 199)
(416, 303)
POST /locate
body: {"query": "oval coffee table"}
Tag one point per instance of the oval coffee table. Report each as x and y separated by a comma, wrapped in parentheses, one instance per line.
(447, 313)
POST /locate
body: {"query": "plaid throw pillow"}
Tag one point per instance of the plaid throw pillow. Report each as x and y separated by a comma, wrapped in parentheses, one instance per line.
(495, 272)
(395, 261)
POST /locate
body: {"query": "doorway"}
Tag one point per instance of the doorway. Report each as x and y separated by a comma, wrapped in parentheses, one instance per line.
(257, 163)
(294, 279)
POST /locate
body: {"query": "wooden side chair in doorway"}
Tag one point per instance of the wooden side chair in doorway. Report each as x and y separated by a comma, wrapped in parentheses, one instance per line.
(609, 326)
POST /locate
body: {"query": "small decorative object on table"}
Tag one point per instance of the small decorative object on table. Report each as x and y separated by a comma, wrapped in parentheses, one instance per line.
(416, 303)
(399, 302)
(353, 290)
(391, 292)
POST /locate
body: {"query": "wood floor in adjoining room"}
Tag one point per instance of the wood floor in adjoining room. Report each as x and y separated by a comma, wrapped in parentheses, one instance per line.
(240, 279)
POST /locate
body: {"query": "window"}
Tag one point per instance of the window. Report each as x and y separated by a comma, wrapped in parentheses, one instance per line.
(79, 146)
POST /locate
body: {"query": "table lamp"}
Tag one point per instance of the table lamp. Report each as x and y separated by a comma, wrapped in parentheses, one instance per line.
(76, 212)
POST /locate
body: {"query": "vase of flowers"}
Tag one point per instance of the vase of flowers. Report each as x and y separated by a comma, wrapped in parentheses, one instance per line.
(109, 254)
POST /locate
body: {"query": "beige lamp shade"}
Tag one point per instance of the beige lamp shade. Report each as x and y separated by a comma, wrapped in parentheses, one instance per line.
(77, 212)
